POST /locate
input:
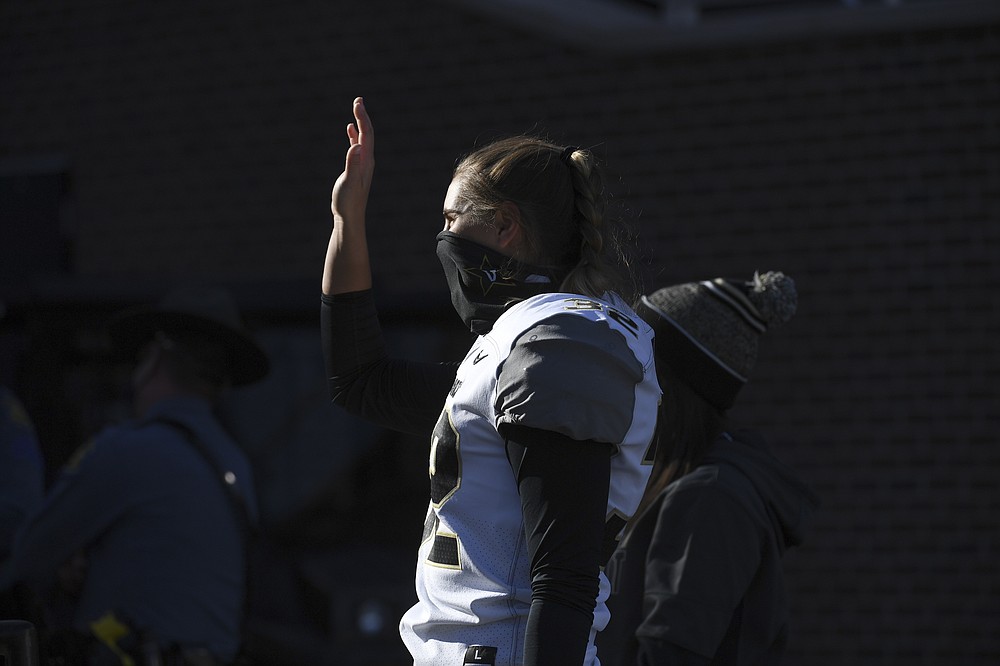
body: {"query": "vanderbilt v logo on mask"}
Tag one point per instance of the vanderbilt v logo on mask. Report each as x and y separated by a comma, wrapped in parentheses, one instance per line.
(484, 283)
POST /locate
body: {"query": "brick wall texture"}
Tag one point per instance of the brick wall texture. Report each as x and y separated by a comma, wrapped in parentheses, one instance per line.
(203, 139)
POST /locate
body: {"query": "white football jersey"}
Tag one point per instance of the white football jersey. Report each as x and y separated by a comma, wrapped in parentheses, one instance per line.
(579, 366)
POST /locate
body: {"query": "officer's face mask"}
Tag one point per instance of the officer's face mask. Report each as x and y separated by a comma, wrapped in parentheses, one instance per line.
(484, 283)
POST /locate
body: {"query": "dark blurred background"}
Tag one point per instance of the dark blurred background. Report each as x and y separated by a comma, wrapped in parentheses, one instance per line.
(852, 144)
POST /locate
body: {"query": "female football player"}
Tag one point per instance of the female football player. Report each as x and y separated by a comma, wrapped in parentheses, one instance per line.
(537, 439)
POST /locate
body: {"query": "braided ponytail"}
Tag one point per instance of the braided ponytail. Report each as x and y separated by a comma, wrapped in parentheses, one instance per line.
(595, 273)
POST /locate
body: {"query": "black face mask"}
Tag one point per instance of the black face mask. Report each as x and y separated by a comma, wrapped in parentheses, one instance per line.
(484, 283)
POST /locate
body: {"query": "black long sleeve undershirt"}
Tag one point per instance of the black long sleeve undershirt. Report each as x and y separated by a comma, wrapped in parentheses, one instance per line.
(397, 394)
(564, 528)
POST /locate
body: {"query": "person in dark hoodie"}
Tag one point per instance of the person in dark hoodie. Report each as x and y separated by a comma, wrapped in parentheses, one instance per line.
(698, 577)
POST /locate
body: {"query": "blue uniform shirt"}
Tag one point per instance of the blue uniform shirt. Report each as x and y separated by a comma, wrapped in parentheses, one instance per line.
(162, 537)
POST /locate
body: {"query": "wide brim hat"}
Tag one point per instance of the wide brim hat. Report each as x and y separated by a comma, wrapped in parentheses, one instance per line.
(208, 312)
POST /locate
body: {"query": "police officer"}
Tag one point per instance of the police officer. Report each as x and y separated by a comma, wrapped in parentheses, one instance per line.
(157, 509)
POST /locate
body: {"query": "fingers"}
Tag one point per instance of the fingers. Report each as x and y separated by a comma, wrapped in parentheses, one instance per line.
(361, 137)
(360, 131)
(364, 123)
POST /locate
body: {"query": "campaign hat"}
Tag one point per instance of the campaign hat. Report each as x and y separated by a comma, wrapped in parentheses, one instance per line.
(205, 311)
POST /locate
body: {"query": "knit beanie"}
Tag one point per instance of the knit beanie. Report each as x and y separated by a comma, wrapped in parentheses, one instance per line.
(707, 332)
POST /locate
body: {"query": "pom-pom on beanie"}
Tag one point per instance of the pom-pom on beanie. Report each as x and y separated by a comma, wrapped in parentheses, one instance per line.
(708, 331)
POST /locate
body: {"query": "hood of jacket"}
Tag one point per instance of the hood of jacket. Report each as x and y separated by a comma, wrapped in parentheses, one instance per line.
(789, 501)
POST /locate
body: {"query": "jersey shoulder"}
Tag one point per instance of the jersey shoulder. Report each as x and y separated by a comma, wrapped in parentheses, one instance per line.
(572, 367)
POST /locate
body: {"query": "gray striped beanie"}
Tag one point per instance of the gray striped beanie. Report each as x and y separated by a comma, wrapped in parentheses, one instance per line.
(708, 331)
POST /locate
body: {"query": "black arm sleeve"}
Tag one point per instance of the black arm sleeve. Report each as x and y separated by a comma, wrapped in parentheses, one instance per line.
(563, 485)
(397, 394)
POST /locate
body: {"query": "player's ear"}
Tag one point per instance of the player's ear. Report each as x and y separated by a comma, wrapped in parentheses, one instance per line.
(510, 231)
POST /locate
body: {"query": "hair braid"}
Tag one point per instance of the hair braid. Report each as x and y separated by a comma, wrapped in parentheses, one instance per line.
(594, 274)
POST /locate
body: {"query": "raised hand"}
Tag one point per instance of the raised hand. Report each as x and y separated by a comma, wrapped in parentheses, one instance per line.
(350, 192)
(347, 266)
